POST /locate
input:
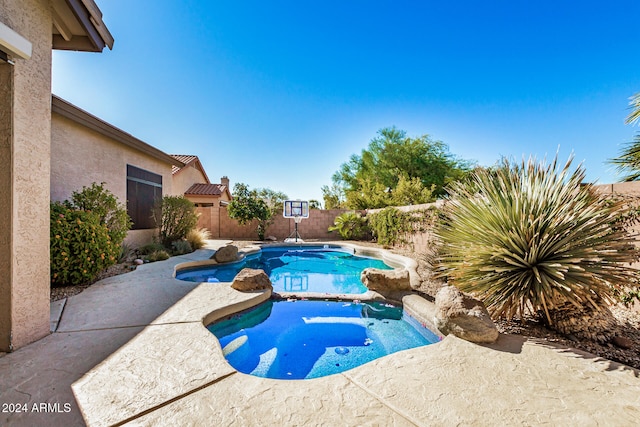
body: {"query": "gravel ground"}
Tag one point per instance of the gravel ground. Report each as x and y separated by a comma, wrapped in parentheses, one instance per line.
(628, 319)
(61, 292)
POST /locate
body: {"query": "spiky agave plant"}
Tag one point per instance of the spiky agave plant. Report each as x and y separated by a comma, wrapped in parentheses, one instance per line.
(528, 237)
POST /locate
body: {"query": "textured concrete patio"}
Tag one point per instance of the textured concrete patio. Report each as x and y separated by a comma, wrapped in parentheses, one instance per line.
(133, 350)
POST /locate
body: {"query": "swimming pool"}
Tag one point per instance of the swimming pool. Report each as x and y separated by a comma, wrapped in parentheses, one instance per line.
(304, 339)
(321, 269)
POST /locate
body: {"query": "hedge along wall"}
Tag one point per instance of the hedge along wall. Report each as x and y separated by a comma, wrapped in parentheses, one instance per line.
(420, 238)
(217, 221)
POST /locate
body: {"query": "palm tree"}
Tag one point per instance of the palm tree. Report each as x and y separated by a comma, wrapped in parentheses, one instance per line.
(634, 116)
(628, 162)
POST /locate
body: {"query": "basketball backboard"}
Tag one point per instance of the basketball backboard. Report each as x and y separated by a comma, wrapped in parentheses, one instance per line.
(296, 208)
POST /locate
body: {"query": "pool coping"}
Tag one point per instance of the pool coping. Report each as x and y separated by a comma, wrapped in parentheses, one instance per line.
(174, 371)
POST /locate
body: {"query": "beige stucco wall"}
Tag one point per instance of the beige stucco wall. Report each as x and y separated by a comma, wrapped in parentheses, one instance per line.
(185, 178)
(25, 119)
(137, 238)
(81, 156)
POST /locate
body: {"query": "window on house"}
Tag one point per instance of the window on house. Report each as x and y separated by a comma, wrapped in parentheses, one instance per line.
(144, 188)
(204, 205)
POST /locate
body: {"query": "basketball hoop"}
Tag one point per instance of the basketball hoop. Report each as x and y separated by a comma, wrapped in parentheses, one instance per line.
(298, 210)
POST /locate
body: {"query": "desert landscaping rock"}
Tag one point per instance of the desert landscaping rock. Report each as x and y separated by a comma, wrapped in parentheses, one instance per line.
(386, 280)
(227, 253)
(622, 342)
(251, 279)
(463, 316)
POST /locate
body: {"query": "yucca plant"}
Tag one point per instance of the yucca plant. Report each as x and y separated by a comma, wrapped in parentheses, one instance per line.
(529, 238)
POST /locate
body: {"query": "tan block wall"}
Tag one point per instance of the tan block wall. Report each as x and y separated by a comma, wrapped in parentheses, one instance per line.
(81, 156)
(629, 188)
(25, 121)
(217, 221)
(184, 179)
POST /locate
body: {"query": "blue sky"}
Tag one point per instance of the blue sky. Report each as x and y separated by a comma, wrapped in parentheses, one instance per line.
(278, 94)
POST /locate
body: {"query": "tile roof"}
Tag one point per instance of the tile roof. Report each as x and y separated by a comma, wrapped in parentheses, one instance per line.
(184, 158)
(206, 189)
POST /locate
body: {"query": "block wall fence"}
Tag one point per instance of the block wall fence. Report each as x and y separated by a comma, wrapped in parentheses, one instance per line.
(216, 220)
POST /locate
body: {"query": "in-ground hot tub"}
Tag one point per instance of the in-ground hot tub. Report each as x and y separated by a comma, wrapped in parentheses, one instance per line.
(302, 339)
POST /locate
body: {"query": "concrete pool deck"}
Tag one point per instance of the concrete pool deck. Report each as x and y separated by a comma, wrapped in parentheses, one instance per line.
(133, 350)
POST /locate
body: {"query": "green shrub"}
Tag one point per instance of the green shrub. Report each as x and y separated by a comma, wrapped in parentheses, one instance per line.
(197, 237)
(181, 247)
(81, 246)
(350, 226)
(175, 216)
(102, 202)
(160, 255)
(389, 225)
(529, 238)
(150, 248)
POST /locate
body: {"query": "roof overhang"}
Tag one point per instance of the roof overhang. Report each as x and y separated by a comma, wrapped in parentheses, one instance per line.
(71, 112)
(77, 25)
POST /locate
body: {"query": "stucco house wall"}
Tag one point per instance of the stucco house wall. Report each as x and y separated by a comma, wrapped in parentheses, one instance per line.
(186, 177)
(81, 155)
(25, 133)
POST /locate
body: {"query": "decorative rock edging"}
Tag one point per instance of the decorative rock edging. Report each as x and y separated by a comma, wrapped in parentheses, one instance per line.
(462, 315)
(386, 280)
(227, 253)
(251, 279)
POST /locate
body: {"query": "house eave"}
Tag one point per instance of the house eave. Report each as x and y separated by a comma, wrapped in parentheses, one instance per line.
(78, 25)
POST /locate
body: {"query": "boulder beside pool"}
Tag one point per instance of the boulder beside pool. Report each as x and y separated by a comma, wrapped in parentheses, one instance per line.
(386, 280)
(251, 279)
(462, 315)
(227, 253)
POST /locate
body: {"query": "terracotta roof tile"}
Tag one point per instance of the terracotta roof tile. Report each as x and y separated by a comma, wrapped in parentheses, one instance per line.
(184, 158)
(206, 189)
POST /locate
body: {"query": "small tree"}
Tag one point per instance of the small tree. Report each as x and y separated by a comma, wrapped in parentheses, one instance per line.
(314, 204)
(333, 196)
(275, 201)
(174, 216)
(247, 206)
(411, 192)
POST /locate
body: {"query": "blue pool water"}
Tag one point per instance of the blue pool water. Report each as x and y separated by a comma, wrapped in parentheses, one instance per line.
(307, 339)
(296, 269)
